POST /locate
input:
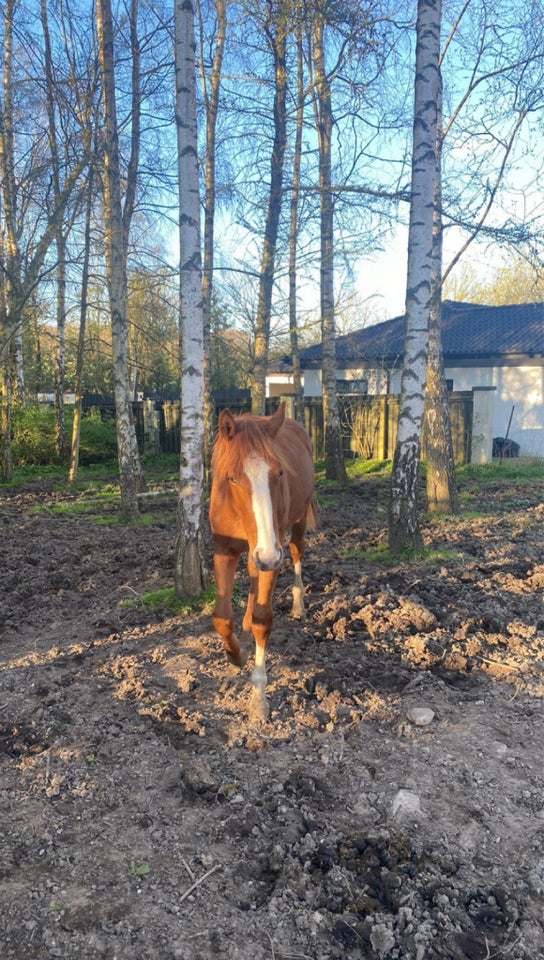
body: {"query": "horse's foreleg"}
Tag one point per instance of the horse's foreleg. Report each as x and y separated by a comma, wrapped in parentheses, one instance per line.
(261, 626)
(252, 593)
(296, 548)
(222, 616)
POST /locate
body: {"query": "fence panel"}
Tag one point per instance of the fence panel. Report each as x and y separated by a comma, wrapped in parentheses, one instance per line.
(170, 425)
(368, 424)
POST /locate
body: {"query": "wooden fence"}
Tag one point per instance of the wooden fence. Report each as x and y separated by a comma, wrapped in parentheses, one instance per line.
(369, 424)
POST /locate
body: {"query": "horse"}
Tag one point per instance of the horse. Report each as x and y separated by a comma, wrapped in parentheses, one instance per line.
(262, 486)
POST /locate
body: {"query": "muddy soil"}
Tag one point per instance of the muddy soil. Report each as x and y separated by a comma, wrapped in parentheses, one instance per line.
(393, 807)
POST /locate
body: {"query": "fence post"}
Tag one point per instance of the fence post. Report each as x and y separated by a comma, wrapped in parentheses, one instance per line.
(482, 424)
(289, 401)
(152, 437)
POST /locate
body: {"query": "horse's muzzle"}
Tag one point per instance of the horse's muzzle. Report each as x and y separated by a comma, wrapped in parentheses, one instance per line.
(263, 562)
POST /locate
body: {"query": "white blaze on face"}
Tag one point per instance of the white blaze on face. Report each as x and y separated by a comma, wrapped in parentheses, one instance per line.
(266, 554)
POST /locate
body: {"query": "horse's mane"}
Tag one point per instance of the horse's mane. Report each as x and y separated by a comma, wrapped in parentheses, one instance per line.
(251, 437)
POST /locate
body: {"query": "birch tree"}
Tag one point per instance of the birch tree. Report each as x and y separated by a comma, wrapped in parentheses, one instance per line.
(78, 376)
(276, 30)
(440, 474)
(503, 88)
(31, 210)
(404, 532)
(334, 459)
(60, 232)
(190, 570)
(117, 224)
(11, 259)
(294, 216)
(211, 89)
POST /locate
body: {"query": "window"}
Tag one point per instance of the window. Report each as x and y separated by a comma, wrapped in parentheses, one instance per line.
(351, 386)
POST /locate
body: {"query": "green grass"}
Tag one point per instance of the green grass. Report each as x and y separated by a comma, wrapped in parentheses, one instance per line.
(511, 469)
(364, 468)
(355, 468)
(165, 599)
(96, 495)
(380, 555)
(102, 508)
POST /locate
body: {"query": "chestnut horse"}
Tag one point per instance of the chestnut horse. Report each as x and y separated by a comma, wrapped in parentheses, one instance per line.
(262, 486)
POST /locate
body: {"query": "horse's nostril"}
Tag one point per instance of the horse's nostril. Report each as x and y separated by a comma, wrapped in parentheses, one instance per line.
(268, 563)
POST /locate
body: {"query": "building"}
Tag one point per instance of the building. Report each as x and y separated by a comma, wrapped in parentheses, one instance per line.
(495, 349)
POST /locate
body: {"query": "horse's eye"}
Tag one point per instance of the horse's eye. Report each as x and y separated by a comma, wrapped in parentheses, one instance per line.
(232, 479)
(280, 472)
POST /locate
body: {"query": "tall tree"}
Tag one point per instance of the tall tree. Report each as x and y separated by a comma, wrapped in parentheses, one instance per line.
(211, 88)
(31, 210)
(502, 62)
(60, 233)
(404, 531)
(276, 27)
(440, 474)
(11, 267)
(294, 216)
(334, 459)
(78, 376)
(190, 572)
(117, 226)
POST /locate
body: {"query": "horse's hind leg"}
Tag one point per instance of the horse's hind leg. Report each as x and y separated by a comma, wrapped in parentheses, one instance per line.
(297, 546)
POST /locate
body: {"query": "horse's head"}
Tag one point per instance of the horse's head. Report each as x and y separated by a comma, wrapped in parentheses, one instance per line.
(245, 455)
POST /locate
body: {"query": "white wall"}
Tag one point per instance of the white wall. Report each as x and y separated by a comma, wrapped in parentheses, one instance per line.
(312, 383)
(278, 384)
(377, 380)
(519, 387)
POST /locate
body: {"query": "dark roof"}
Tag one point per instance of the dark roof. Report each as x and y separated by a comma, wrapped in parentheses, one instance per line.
(469, 331)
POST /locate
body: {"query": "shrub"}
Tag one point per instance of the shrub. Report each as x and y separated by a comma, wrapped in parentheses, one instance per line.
(97, 441)
(33, 435)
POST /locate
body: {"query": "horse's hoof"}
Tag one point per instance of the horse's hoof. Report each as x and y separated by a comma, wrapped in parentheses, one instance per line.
(259, 711)
(237, 659)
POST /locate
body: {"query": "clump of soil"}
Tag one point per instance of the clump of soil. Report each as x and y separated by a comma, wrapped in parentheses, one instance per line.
(393, 807)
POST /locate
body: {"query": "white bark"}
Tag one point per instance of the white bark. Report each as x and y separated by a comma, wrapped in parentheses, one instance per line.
(211, 92)
(190, 573)
(116, 242)
(403, 519)
(334, 459)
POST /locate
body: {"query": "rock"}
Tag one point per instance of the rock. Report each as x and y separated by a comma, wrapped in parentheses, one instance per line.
(421, 716)
(382, 939)
(406, 804)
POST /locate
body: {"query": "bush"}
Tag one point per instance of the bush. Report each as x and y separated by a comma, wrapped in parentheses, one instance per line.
(33, 435)
(97, 441)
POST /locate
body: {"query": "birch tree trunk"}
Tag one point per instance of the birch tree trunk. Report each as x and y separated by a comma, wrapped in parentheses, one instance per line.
(78, 405)
(276, 31)
(60, 238)
(211, 92)
(293, 230)
(23, 266)
(440, 474)
(334, 459)
(6, 465)
(190, 573)
(116, 238)
(10, 249)
(404, 532)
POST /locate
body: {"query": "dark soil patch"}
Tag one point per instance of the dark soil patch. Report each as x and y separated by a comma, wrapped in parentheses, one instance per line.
(143, 817)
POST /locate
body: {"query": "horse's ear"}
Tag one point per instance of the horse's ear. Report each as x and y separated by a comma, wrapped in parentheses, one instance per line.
(227, 424)
(276, 420)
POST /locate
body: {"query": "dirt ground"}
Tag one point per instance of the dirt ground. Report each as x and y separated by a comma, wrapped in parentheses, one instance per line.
(393, 807)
